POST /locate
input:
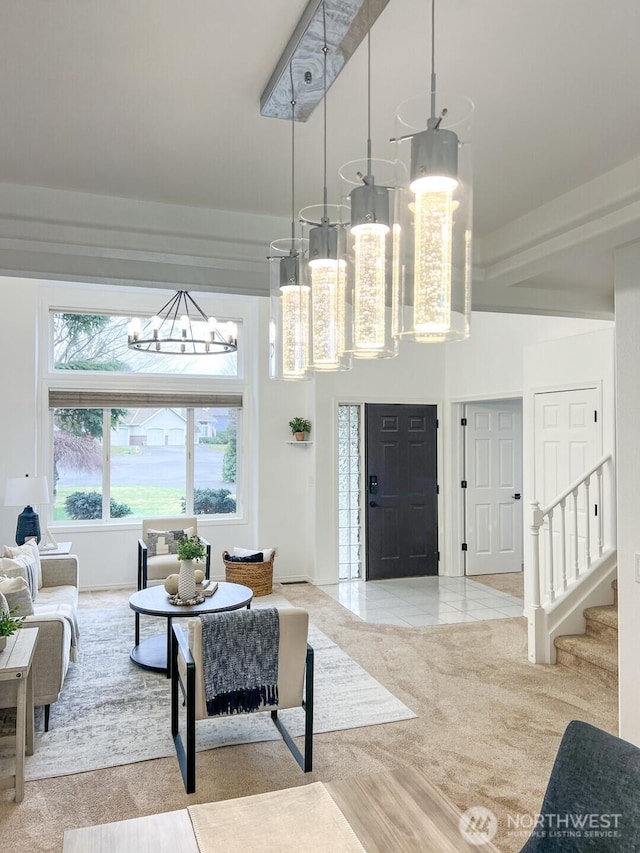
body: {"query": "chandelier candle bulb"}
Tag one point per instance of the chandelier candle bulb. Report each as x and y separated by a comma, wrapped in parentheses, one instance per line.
(190, 332)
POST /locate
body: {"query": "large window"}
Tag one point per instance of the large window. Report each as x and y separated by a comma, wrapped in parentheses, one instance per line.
(134, 461)
(171, 449)
(98, 343)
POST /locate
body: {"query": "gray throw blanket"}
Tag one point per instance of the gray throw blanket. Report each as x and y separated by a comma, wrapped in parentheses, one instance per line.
(240, 660)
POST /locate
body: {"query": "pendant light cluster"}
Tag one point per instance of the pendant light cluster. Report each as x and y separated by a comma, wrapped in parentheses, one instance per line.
(391, 263)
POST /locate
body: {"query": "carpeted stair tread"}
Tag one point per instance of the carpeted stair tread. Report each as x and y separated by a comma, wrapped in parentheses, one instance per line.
(594, 650)
(606, 614)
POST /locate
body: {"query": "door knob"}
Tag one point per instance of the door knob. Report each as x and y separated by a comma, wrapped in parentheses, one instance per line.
(517, 496)
(372, 503)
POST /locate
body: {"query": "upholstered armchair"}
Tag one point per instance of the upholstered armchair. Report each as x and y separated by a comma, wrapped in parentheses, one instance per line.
(238, 650)
(593, 790)
(157, 548)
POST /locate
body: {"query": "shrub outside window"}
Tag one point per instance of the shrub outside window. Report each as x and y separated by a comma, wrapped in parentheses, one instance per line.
(133, 461)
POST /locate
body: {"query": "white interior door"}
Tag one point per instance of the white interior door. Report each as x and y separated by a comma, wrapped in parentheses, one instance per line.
(493, 497)
(567, 441)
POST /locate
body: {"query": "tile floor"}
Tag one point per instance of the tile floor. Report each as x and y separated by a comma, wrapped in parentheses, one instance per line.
(419, 602)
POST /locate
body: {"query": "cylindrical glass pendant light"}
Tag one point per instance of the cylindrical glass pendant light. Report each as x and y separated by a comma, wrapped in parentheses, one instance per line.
(327, 266)
(289, 331)
(433, 261)
(369, 332)
(328, 279)
(369, 305)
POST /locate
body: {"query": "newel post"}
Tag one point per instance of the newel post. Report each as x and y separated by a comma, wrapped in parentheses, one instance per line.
(536, 618)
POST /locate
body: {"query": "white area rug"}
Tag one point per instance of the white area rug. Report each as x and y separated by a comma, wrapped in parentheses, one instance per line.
(295, 819)
(112, 712)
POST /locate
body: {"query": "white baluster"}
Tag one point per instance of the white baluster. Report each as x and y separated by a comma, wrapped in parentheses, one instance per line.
(576, 570)
(552, 585)
(563, 544)
(600, 512)
(587, 515)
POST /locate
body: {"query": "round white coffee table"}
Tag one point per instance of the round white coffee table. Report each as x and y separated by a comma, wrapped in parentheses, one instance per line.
(154, 652)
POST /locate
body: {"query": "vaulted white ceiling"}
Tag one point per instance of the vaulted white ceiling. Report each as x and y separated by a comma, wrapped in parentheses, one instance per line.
(156, 102)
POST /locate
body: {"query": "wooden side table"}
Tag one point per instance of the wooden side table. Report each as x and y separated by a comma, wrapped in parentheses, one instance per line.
(15, 666)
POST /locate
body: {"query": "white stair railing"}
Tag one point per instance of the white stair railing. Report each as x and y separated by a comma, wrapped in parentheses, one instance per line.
(566, 550)
(573, 557)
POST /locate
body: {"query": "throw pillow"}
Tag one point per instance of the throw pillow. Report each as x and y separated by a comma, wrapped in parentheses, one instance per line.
(249, 558)
(247, 552)
(4, 606)
(21, 567)
(30, 548)
(162, 542)
(16, 591)
(35, 551)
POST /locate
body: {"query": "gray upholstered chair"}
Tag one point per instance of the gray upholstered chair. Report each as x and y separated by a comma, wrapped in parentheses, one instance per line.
(295, 683)
(592, 801)
(156, 566)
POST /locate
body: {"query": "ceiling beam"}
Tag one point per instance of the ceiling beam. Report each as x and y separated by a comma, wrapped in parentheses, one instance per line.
(348, 22)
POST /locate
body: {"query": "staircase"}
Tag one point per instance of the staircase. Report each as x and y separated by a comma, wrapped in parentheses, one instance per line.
(594, 653)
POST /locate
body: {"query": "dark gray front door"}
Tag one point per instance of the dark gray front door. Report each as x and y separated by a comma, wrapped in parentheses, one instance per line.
(401, 491)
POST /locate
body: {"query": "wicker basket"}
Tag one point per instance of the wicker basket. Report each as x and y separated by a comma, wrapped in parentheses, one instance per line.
(257, 576)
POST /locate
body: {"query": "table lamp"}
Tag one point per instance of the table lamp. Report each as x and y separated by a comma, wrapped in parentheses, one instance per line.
(26, 491)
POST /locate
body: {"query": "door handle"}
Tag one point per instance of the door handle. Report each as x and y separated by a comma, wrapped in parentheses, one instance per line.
(517, 496)
(373, 503)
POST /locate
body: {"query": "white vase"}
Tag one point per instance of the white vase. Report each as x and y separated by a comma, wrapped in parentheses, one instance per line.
(187, 580)
(3, 643)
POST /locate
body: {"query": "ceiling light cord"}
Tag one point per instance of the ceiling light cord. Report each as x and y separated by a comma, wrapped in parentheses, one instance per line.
(325, 51)
(293, 158)
(433, 59)
(368, 90)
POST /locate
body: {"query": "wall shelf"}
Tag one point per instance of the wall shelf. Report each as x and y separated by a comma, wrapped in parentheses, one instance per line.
(303, 443)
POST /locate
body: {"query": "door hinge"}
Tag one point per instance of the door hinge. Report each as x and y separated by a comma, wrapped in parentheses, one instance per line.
(463, 421)
(438, 556)
(464, 546)
(437, 423)
(595, 416)
(463, 484)
(437, 490)
(596, 510)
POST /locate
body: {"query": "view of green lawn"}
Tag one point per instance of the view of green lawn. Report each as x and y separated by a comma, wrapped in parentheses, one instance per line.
(146, 502)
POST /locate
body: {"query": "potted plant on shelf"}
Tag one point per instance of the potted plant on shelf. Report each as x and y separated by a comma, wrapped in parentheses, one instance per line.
(8, 626)
(299, 427)
(190, 550)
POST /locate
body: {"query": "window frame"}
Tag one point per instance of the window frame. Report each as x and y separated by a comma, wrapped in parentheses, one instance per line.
(96, 300)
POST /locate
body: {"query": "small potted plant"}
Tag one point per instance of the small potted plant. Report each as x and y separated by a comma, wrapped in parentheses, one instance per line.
(8, 626)
(299, 427)
(189, 550)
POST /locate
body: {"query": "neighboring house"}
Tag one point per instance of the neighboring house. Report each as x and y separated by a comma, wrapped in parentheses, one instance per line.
(150, 427)
(209, 423)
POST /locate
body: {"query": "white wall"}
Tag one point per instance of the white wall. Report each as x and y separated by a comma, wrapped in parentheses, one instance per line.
(558, 365)
(18, 424)
(291, 495)
(627, 289)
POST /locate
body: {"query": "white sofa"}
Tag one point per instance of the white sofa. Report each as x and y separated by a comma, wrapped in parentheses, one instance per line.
(55, 614)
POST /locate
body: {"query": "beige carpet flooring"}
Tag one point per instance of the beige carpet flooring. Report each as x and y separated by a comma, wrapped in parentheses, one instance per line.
(488, 728)
(511, 582)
